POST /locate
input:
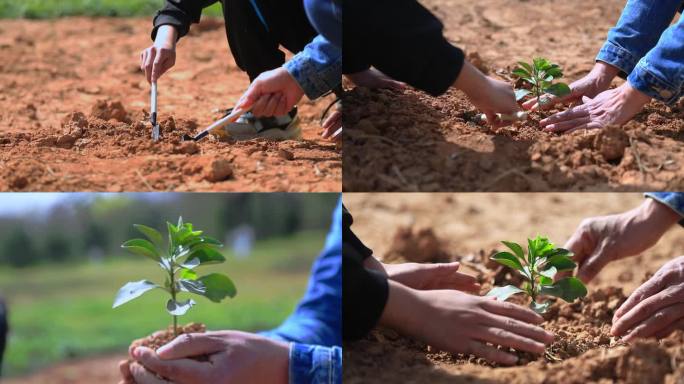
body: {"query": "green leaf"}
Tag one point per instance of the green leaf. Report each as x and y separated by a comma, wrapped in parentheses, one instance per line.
(560, 262)
(503, 293)
(541, 63)
(540, 308)
(191, 264)
(141, 247)
(516, 248)
(151, 233)
(218, 286)
(550, 272)
(188, 274)
(521, 93)
(508, 259)
(526, 67)
(521, 72)
(132, 291)
(568, 289)
(558, 89)
(205, 240)
(179, 308)
(207, 255)
(554, 71)
(192, 286)
(543, 280)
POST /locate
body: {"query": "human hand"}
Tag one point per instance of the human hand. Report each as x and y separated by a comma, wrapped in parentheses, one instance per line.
(160, 56)
(461, 323)
(600, 240)
(372, 78)
(656, 308)
(272, 93)
(234, 357)
(432, 276)
(489, 95)
(331, 125)
(595, 82)
(612, 107)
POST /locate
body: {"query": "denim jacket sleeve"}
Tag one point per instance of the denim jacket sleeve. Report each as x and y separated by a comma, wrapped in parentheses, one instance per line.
(646, 50)
(318, 68)
(313, 364)
(674, 200)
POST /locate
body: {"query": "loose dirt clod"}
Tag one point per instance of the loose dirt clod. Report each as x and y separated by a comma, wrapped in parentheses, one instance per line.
(108, 110)
(285, 154)
(416, 245)
(218, 170)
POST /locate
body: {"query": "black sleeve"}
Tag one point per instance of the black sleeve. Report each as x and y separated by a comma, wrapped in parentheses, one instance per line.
(365, 291)
(180, 14)
(4, 329)
(402, 39)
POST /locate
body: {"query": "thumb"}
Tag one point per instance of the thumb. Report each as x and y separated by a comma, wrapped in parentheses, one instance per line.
(251, 95)
(594, 264)
(189, 345)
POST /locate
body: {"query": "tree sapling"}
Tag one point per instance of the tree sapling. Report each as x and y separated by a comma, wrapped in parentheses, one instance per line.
(539, 268)
(186, 250)
(540, 75)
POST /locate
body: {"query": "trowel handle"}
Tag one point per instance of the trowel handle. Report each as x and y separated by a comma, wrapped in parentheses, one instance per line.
(231, 118)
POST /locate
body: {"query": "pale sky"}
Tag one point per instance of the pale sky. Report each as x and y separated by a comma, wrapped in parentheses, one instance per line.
(22, 203)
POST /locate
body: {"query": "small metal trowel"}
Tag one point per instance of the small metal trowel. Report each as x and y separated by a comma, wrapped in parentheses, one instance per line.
(153, 114)
(230, 118)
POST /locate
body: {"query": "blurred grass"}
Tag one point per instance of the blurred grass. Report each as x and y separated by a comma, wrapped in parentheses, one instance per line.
(64, 311)
(43, 9)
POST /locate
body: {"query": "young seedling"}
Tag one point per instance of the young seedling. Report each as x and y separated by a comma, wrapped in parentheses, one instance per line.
(185, 251)
(539, 268)
(540, 74)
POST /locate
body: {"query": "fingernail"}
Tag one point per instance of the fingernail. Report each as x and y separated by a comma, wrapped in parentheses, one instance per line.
(512, 359)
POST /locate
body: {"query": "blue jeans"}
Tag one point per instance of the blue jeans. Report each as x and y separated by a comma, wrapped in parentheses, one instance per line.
(647, 49)
(314, 330)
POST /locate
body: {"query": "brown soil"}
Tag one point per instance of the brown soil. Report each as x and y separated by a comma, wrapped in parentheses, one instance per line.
(583, 351)
(387, 131)
(74, 108)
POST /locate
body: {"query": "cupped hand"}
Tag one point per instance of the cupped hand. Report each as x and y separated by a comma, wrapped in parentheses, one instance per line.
(457, 322)
(272, 93)
(489, 95)
(234, 357)
(612, 107)
(656, 308)
(595, 82)
(372, 78)
(600, 240)
(160, 56)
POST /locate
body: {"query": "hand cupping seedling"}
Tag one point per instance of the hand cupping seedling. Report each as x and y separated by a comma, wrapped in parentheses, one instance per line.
(186, 250)
(539, 268)
(540, 76)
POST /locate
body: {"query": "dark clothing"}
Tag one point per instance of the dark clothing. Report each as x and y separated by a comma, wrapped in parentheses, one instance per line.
(4, 328)
(402, 39)
(365, 291)
(255, 28)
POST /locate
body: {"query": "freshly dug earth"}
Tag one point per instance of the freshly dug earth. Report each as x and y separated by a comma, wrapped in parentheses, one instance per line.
(74, 107)
(410, 141)
(458, 227)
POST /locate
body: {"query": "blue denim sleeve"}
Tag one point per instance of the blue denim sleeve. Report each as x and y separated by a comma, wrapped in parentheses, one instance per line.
(674, 200)
(648, 52)
(318, 316)
(315, 364)
(318, 68)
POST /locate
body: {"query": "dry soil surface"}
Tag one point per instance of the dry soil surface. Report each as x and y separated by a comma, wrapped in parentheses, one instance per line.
(410, 141)
(467, 228)
(73, 109)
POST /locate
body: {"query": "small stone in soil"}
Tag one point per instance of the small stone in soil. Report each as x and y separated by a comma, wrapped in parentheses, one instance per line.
(285, 154)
